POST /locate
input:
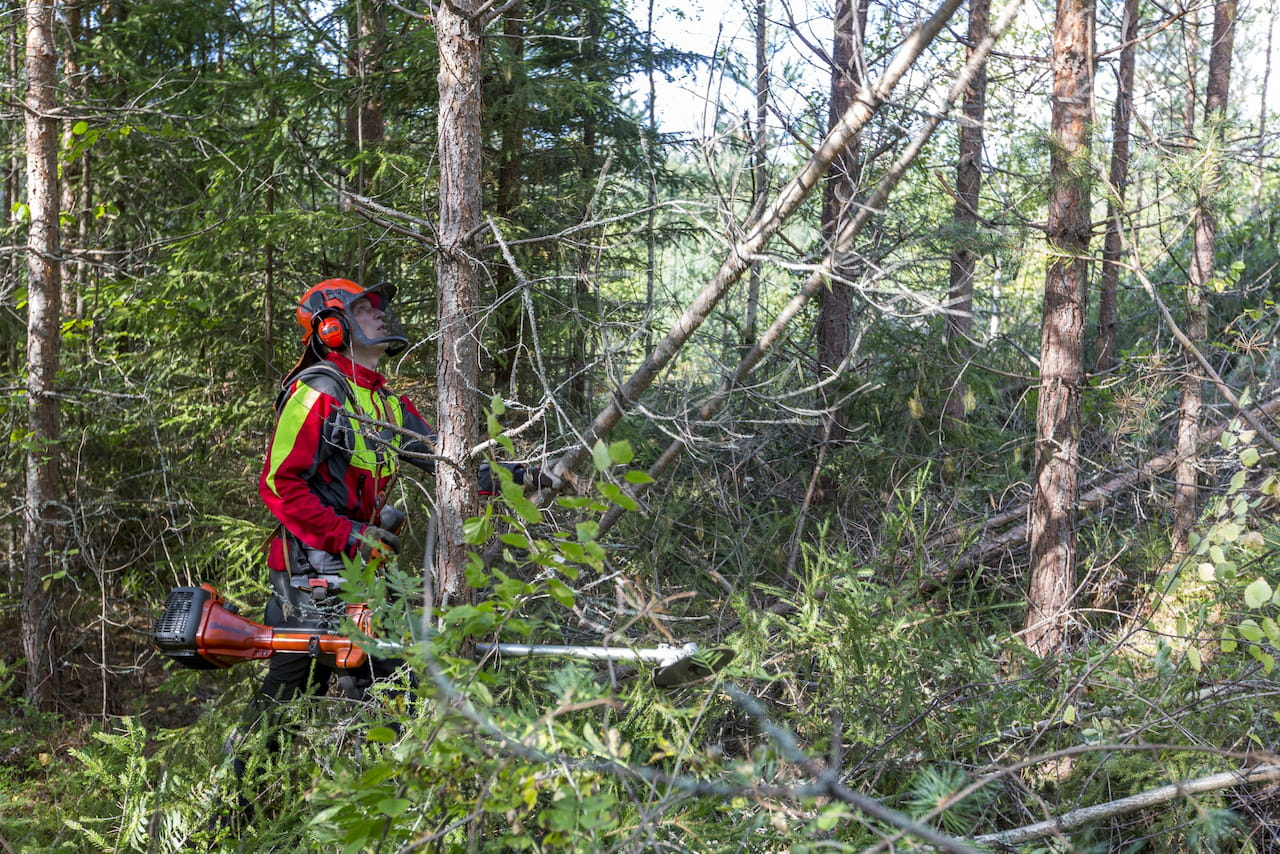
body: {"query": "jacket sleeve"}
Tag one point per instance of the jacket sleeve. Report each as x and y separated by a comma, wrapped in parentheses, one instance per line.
(293, 458)
(413, 450)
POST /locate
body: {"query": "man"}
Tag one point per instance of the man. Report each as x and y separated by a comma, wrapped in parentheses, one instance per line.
(338, 441)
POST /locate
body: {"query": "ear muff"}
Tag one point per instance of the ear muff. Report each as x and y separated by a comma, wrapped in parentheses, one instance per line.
(331, 329)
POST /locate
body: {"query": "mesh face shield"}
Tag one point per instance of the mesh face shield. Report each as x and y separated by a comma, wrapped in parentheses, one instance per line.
(380, 296)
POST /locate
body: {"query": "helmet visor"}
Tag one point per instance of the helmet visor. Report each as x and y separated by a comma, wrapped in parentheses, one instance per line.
(379, 298)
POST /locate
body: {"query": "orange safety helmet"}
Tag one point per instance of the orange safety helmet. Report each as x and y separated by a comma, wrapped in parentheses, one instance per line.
(324, 313)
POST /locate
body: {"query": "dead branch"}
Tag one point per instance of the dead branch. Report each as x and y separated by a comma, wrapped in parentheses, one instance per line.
(1162, 794)
(842, 244)
(1094, 499)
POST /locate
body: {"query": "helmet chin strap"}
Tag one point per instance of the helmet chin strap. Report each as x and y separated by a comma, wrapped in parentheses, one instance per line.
(364, 355)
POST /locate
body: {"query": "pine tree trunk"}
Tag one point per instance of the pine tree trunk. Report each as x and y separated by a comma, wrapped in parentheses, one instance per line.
(366, 126)
(1053, 535)
(457, 361)
(835, 304)
(1112, 250)
(1204, 240)
(968, 186)
(506, 310)
(43, 327)
(759, 169)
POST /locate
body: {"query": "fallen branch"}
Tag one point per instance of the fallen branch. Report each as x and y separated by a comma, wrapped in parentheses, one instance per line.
(1093, 499)
(1079, 818)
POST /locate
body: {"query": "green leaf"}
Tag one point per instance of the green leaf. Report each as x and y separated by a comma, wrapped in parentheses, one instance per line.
(1273, 631)
(1249, 457)
(560, 592)
(478, 529)
(600, 456)
(1250, 631)
(379, 773)
(380, 734)
(515, 539)
(1257, 594)
(636, 476)
(393, 806)
(614, 493)
(621, 452)
(1228, 641)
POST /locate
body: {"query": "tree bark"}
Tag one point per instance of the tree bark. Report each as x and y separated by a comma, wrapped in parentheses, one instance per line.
(835, 303)
(43, 340)
(968, 186)
(1186, 496)
(457, 361)
(1112, 249)
(1053, 534)
(366, 126)
(759, 165)
(507, 311)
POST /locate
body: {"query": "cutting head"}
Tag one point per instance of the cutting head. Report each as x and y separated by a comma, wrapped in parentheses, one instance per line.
(693, 664)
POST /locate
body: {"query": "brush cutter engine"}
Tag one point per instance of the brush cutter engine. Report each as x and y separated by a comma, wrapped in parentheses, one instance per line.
(199, 630)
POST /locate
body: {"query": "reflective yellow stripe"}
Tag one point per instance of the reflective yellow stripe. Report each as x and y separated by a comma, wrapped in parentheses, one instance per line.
(292, 415)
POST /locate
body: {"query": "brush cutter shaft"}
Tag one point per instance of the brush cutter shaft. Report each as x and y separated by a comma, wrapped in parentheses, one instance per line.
(662, 655)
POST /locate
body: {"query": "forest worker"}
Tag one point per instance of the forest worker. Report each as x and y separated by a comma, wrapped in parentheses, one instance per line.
(328, 468)
(340, 436)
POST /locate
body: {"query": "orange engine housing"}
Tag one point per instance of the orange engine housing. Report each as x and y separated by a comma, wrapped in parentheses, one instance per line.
(199, 631)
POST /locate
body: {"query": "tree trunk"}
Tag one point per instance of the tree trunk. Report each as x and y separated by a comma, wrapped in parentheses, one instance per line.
(366, 127)
(74, 184)
(508, 311)
(759, 167)
(1112, 250)
(835, 304)
(1205, 232)
(968, 186)
(43, 327)
(457, 360)
(1053, 534)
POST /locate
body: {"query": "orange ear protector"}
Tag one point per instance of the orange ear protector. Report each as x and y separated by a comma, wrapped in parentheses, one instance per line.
(331, 329)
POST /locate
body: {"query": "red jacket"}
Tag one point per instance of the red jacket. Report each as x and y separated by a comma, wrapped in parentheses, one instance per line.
(325, 470)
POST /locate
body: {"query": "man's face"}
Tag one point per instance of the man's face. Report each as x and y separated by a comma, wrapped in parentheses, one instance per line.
(369, 314)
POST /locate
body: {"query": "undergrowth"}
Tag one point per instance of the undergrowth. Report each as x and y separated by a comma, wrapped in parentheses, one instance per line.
(846, 681)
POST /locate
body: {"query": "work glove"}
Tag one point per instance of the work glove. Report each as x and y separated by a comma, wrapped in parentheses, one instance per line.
(540, 477)
(391, 519)
(374, 543)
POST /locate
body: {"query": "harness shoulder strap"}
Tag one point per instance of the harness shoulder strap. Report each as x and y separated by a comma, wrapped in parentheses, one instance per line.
(324, 378)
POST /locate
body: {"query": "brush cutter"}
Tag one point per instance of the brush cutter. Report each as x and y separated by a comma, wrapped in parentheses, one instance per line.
(199, 630)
